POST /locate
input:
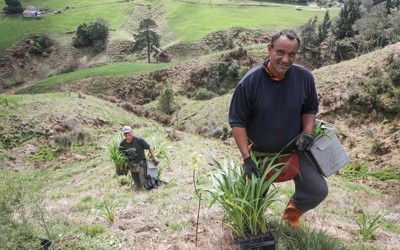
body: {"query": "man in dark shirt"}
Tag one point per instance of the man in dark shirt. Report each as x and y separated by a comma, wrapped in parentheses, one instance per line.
(133, 147)
(274, 107)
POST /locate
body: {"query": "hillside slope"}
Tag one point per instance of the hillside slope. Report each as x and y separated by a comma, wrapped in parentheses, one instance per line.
(74, 184)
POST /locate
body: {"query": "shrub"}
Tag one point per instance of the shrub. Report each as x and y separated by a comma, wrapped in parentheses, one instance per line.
(237, 54)
(93, 230)
(243, 71)
(216, 75)
(233, 71)
(43, 154)
(92, 34)
(166, 100)
(204, 94)
(394, 75)
(40, 44)
(376, 94)
(79, 138)
(13, 6)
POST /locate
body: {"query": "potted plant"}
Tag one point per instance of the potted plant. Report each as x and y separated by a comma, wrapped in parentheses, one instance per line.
(245, 201)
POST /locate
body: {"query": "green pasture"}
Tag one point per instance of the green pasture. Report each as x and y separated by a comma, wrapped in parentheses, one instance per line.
(16, 27)
(114, 69)
(192, 20)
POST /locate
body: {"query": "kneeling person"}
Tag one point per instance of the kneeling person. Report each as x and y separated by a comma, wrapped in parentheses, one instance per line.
(133, 147)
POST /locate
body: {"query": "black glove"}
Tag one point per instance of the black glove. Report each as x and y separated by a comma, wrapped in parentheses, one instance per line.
(155, 162)
(305, 141)
(250, 168)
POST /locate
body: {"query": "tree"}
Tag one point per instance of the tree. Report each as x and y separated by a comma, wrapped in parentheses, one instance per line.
(323, 28)
(310, 44)
(13, 6)
(92, 34)
(146, 38)
(166, 100)
(343, 31)
(350, 12)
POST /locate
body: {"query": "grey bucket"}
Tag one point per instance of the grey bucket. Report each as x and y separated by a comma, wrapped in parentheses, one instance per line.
(329, 153)
(152, 169)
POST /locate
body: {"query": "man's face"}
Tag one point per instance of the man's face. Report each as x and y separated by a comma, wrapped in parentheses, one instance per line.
(282, 55)
(128, 136)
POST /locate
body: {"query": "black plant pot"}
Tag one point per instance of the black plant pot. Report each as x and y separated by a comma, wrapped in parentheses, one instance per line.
(266, 242)
(122, 171)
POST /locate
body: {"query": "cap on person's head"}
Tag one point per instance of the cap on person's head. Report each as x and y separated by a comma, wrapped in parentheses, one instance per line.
(126, 129)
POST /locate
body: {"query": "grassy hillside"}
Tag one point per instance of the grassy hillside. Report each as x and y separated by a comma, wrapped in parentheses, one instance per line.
(69, 193)
(74, 191)
(73, 13)
(191, 21)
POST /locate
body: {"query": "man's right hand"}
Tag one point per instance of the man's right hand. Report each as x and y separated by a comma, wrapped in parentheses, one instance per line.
(250, 168)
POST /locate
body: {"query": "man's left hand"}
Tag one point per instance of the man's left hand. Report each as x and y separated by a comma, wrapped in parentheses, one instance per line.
(305, 141)
(155, 161)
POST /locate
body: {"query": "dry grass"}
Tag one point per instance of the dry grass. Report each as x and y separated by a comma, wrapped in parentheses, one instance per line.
(164, 218)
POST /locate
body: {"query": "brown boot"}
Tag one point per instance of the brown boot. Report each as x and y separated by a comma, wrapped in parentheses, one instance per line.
(292, 214)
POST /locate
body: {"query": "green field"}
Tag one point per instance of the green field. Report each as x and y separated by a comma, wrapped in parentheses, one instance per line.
(15, 27)
(114, 69)
(191, 21)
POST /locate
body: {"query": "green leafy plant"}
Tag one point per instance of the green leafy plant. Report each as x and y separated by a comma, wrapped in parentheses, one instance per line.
(107, 210)
(244, 200)
(368, 224)
(93, 230)
(321, 128)
(43, 154)
(119, 159)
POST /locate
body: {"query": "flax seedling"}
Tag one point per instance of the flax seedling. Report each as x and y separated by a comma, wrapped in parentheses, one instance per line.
(107, 211)
(368, 225)
(119, 159)
(244, 200)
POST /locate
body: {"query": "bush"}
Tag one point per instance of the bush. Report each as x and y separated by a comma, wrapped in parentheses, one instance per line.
(166, 100)
(13, 7)
(204, 94)
(40, 44)
(79, 138)
(376, 94)
(395, 76)
(92, 34)
(233, 71)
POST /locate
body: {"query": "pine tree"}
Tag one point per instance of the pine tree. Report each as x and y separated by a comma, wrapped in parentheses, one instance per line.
(146, 38)
(323, 28)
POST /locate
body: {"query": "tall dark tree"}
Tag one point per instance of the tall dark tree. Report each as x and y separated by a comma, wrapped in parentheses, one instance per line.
(13, 6)
(309, 45)
(323, 28)
(345, 47)
(350, 12)
(146, 37)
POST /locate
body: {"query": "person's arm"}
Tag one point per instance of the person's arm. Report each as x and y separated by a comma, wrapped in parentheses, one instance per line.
(240, 136)
(249, 165)
(153, 154)
(308, 121)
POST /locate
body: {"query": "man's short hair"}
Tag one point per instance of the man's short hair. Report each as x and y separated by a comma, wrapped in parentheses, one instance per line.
(288, 33)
